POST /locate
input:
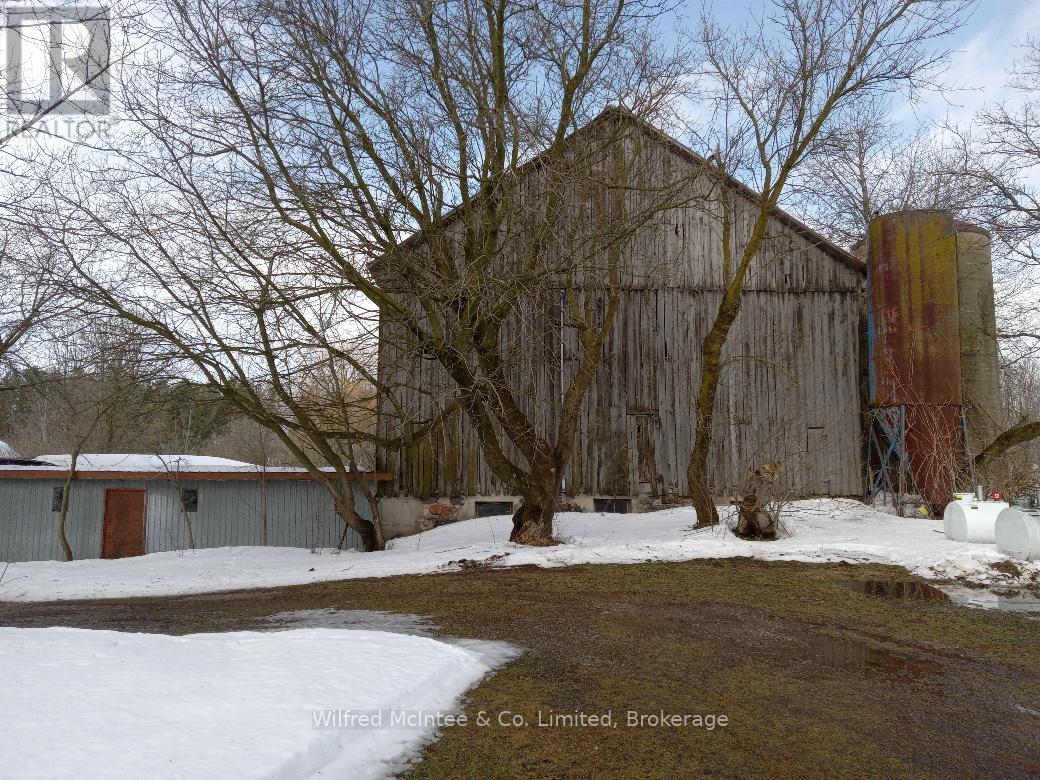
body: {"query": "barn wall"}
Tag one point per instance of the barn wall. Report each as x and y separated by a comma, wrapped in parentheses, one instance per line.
(231, 513)
(790, 393)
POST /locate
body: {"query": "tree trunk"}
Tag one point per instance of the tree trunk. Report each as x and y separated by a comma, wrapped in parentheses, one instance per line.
(185, 514)
(754, 520)
(697, 477)
(711, 375)
(263, 506)
(187, 525)
(754, 523)
(1020, 433)
(533, 523)
(371, 536)
(64, 511)
(533, 520)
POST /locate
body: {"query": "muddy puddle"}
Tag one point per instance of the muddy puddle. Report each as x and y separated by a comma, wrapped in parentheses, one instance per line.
(854, 654)
(1027, 606)
(1024, 605)
(897, 589)
(357, 619)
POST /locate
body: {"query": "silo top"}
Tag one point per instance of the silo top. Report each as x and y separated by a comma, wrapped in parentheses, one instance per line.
(914, 329)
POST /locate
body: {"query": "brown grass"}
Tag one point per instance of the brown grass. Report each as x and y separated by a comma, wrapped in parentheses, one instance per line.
(817, 680)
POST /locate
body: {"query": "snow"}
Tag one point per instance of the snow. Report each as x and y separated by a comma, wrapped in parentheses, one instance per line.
(148, 463)
(6, 451)
(139, 462)
(820, 530)
(105, 704)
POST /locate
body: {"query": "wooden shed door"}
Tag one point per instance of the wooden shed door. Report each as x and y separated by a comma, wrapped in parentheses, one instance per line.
(123, 530)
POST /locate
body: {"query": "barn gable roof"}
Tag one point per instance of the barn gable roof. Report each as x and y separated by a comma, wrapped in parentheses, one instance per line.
(660, 136)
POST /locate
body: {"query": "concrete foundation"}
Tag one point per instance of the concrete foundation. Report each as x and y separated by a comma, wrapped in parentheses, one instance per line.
(400, 516)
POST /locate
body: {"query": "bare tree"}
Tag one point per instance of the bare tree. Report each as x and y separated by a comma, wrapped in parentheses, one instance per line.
(244, 439)
(1004, 157)
(1012, 460)
(94, 390)
(57, 72)
(304, 171)
(241, 310)
(868, 166)
(777, 86)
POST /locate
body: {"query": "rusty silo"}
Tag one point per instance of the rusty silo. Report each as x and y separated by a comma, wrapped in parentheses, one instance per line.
(915, 354)
(980, 368)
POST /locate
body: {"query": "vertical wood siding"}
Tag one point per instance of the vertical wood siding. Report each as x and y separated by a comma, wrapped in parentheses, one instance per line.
(299, 513)
(790, 391)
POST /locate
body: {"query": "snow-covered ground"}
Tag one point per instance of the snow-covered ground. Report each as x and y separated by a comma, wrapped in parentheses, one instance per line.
(104, 704)
(820, 530)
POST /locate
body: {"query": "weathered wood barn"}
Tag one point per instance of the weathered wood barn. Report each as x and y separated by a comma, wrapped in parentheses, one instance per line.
(791, 389)
(126, 505)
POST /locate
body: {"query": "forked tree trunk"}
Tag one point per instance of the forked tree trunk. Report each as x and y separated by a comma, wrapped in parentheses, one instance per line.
(533, 523)
(371, 535)
(533, 519)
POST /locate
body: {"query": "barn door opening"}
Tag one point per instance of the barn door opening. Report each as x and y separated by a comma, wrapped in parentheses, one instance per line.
(122, 533)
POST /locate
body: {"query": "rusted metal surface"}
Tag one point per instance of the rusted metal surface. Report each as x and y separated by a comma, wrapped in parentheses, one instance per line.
(915, 322)
(914, 340)
(122, 529)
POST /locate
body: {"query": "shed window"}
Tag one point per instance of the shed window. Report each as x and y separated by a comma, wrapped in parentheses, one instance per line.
(621, 506)
(492, 508)
(57, 494)
(190, 500)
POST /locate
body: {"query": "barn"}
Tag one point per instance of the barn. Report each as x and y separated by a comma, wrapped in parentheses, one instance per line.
(125, 505)
(793, 390)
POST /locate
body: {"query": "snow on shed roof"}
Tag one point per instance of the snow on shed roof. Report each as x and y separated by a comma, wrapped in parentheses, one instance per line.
(142, 462)
(123, 466)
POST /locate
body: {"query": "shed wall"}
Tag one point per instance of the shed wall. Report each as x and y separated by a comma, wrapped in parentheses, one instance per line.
(298, 513)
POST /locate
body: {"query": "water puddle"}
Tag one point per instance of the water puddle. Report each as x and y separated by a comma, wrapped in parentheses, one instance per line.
(898, 589)
(856, 654)
(493, 652)
(1027, 606)
(358, 619)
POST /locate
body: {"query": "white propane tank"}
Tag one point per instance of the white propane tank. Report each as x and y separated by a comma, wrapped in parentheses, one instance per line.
(970, 520)
(1018, 533)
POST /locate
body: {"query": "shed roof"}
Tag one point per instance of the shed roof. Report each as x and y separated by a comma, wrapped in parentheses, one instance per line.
(145, 462)
(125, 466)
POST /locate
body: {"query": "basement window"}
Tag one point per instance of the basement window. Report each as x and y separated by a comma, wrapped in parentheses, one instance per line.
(57, 494)
(620, 506)
(190, 500)
(492, 508)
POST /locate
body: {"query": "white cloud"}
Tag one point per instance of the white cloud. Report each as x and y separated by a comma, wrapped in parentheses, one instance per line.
(983, 56)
